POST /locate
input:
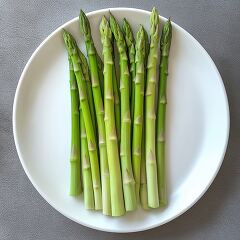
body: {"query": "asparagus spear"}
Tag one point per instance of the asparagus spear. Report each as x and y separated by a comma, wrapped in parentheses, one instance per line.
(116, 87)
(116, 61)
(151, 168)
(138, 107)
(86, 74)
(125, 152)
(72, 49)
(165, 44)
(129, 38)
(100, 73)
(117, 108)
(86, 168)
(116, 94)
(92, 56)
(143, 178)
(75, 178)
(143, 184)
(117, 203)
(147, 47)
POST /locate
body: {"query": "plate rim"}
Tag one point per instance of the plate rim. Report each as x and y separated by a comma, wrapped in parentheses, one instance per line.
(17, 145)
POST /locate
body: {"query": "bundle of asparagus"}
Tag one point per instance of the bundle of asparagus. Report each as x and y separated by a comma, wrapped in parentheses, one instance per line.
(116, 149)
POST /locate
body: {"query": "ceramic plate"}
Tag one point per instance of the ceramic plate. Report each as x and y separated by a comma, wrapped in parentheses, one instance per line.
(197, 125)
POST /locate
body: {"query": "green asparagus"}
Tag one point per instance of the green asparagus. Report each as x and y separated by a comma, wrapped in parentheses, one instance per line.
(151, 168)
(129, 38)
(117, 202)
(98, 102)
(138, 107)
(117, 108)
(86, 74)
(72, 49)
(75, 178)
(86, 168)
(100, 73)
(147, 47)
(116, 91)
(143, 178)
(143, 185)
(165, 44)
(116, 63)
(125, 148)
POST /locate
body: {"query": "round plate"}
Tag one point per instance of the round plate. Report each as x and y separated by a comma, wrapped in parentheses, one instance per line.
(197, 124)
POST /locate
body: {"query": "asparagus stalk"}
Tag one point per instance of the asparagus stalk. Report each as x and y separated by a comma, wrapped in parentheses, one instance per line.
(92, 146)
(86, 75)
(117, 108)
(129, 38)
(138, 107)
(147, 47)
(86, 168)
(125, 152)
(116, 94)
(151, 168)
(165, 44)
(116, 61)
(92, 56)
(143, 179)
(75, 178)
(117, 202)
(100, 73)
(143, 185)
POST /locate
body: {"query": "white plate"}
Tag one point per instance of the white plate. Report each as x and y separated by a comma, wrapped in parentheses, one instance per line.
(197, 125)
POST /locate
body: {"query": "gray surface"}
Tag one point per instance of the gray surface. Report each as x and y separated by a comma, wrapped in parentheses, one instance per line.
(24, 214)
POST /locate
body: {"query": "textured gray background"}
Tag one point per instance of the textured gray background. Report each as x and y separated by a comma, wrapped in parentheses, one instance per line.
(24, 214)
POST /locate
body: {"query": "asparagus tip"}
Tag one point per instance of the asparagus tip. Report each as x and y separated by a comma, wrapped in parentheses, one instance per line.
(110, 13)
(65, 33)
(154, 24)
(154, 10)
(154, 17)
(165, 41)
(125, 23)
(84, 24)
(105, 28)
(81, 12)
(140, 33)
(103, 24)
(66, 36)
